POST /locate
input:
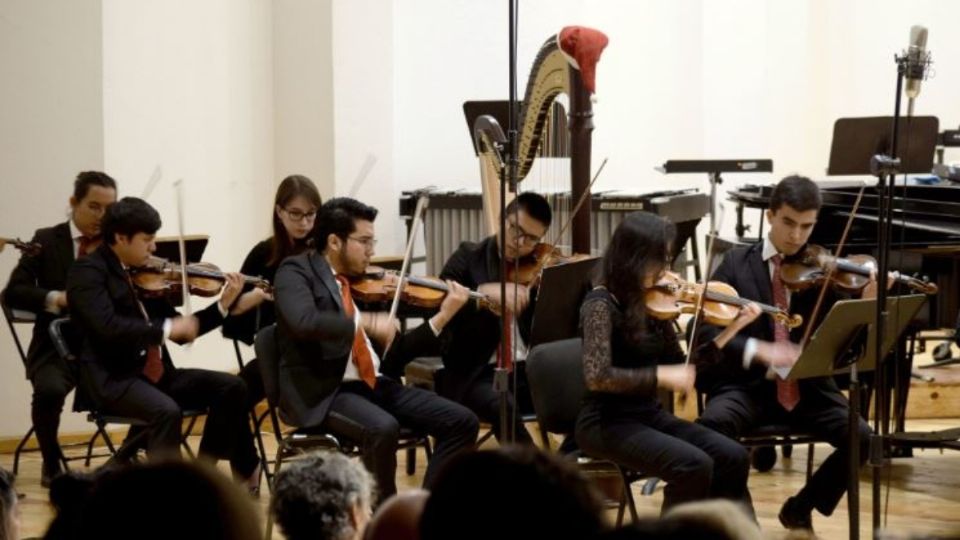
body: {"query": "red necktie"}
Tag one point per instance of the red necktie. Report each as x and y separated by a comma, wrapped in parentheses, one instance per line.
(507, 321)
(87, 245)
(788, 392)
(153, 367)
(361, 354)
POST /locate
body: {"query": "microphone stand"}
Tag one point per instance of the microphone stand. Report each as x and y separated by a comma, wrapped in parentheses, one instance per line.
(885, 169)
(501, 380)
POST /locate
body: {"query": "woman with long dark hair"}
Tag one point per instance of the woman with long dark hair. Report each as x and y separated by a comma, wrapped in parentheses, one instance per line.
(294, 213)
(628, 356)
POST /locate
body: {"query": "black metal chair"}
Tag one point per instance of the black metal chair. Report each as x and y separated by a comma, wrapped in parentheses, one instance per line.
(256, 423)
(555, 374)
(296, 441)
(16, 317)
(427, 372)
(66, 339)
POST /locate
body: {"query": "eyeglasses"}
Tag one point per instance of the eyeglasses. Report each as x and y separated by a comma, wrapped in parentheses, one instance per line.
(368, 243)
(299, 215)
(522, 236)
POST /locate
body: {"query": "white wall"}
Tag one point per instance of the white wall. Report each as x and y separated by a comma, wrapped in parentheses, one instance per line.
(51, 127)
(679, 80)
(188, 87)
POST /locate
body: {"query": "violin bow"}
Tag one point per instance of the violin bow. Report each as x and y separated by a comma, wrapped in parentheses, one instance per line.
(583, 199)
(830, 271)
(417, 218)
(181, 243)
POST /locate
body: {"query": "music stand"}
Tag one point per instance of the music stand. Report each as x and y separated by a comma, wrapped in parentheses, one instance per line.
(845, 333)
(556, 315)
(169, 247)
(856, 140)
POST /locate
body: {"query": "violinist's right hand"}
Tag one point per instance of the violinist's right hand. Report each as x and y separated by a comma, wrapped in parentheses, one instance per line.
(517, 299)
(61, 299)
(778, 354)
(677, 378)
(184, 329)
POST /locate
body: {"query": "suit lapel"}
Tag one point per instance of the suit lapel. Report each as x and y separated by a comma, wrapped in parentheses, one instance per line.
(322, 269)
(64, 245)
(761, 273)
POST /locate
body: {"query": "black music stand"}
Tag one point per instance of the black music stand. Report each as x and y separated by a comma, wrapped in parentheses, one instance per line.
(856, 140)
(842, 342)
(556, 315)
(169, 247)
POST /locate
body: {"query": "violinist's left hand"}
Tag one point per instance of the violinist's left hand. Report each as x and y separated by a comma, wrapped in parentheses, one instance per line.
(747, 315)
(232, 285)
(457, 296)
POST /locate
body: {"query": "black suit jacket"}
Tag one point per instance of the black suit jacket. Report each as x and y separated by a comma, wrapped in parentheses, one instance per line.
(31, 280)
(115, 335)
(473, 335)
(745, 270)
(315, 337)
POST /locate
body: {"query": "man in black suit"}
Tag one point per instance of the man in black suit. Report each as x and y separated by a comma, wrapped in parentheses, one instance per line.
(123, 357)
(742, 388)
(472, 340)
(38, 285)
(331, 375)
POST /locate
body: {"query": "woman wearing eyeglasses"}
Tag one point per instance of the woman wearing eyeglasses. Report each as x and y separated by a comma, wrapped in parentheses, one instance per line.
(294, 213)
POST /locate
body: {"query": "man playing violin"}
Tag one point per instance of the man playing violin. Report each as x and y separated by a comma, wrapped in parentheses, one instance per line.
(123, 354)
(742, 390)
(472, 339)
(38, 285)
(339, 368)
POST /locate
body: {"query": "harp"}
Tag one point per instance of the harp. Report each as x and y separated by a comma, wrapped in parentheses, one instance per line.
(565, 64)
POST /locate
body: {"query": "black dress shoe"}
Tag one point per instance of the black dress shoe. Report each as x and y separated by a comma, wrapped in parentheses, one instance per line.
(794, 516)
(763, 458)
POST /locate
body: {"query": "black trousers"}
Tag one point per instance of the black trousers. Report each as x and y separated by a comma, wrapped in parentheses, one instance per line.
(736, 410)
(226, 432)
(478, 395)
(254, 381)
(696, 462)
(371, 418)
(52, 380)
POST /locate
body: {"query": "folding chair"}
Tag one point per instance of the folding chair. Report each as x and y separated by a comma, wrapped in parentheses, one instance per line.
(16, 317)
(300, 440)
(555, 375)
(66, 338)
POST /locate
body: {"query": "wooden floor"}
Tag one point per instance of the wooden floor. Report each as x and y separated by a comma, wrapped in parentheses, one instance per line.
(923, 496)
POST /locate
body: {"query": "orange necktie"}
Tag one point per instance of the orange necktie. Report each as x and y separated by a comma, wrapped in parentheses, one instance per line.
(788, 392)
(361, 354)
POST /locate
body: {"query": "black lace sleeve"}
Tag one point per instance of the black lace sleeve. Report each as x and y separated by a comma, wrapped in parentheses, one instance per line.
(598, 370)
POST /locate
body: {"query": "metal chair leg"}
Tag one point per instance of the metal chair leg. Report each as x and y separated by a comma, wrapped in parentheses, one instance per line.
(16, 454)
(809, 461)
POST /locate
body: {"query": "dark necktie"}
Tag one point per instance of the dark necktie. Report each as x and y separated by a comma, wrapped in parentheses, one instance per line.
(361, 354)
(788, 392)
(87, 245)
(153, 367)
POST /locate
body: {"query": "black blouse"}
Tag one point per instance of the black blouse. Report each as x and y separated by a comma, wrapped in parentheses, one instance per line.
(243, 327)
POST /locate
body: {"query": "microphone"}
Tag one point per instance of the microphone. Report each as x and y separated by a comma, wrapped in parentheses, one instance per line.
(917, 60)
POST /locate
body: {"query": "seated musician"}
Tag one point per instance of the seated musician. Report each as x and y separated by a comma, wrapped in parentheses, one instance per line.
(472, 340)
(124, 358)
(38, 284)
(628, 355)
(294, 214)
(742, 392)
(331, 375)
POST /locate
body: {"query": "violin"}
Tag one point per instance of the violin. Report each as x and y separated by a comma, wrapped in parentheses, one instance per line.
(672, 295)
(31, 249)
(159, 278)
(377, 285)
(811, 266)
(528, 271)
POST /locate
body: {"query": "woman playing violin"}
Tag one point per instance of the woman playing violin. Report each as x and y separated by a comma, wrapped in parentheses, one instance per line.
(293, 215)
(628, 356)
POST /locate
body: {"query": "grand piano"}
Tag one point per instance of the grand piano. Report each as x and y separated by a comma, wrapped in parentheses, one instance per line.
(925, 238)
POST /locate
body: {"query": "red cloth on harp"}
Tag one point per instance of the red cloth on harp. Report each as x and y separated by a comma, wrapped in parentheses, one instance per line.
(584, 46)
